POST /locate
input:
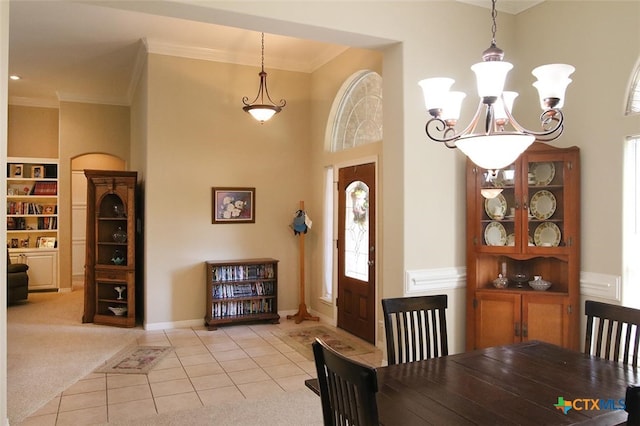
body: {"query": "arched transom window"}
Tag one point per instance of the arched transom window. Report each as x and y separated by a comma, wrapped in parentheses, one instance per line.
(357, 111)
(633, 103)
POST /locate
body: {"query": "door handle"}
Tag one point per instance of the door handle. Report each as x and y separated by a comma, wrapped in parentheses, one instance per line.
(525, 332)
(370, 262)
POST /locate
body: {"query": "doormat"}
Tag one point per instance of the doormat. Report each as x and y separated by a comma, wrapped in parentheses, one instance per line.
(301, 340)
(135, 360)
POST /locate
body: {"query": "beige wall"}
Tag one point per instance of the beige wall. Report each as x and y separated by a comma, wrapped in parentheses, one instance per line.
(198, 137)
(602, 40)
(85, 129)
(33, 132)
(422, 222)
(4, 78)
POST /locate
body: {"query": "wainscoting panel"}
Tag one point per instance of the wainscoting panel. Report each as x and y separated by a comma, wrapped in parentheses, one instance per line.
(601, 286)
(449, 281)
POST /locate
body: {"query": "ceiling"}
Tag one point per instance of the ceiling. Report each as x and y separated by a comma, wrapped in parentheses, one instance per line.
(89, 52)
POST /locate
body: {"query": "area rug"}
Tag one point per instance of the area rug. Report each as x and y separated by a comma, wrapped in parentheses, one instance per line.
(135, 360)
(301, 339)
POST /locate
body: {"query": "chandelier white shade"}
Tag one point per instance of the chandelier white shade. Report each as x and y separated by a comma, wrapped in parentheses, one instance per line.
(262, 108)
(487, 140)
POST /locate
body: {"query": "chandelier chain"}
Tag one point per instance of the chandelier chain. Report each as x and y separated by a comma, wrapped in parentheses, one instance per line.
(494, 15)
(262, 52)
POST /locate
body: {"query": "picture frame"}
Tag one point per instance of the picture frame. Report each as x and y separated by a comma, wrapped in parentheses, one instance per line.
(233, 205)
(46, 242)
(15, 243)
(16, 170)
(37, 172)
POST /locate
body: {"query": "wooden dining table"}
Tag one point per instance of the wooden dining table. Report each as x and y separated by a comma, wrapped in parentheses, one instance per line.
(531, 383)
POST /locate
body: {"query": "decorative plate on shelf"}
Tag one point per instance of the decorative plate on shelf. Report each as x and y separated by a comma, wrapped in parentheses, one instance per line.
(543, 173)
(547, 234)
(495, 234)
(543, 204)
(496, 207)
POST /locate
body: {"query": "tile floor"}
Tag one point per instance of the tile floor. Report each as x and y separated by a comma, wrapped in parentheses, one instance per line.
(206, 367)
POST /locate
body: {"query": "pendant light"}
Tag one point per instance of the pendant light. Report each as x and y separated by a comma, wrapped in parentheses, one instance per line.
(261, 108)
(485, 140)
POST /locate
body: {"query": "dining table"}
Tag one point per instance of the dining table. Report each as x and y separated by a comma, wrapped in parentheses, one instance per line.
(528, 383)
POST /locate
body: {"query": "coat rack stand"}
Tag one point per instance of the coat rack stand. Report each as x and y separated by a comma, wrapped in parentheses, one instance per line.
(302, 313)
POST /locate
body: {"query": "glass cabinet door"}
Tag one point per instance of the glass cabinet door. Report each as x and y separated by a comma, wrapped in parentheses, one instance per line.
(497, 209)
(544, 201)
(523, 207)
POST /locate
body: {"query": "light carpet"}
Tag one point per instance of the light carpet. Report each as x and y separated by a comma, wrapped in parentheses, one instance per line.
(49, 349)
(135, 360)
(301, 340)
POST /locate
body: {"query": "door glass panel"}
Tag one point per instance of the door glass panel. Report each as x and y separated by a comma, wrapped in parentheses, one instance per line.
(356, 247)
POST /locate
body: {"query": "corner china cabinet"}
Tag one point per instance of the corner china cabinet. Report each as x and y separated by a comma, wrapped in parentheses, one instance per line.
(530, 228)
(110, 251)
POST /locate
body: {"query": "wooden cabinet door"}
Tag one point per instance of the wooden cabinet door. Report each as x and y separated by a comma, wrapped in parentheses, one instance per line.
(545, 318)
(498, 319)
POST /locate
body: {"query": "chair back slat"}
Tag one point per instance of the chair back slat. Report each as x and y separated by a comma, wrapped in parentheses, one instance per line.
(347, 388)
(415, 328)
(617, 332)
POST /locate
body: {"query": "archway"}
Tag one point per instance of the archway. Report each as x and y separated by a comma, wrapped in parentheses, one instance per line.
(79, 206)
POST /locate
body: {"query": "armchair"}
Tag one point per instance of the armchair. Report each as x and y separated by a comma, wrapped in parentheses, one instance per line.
(17, 281)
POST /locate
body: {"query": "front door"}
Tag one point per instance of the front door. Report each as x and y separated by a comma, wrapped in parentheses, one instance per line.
(356, 250)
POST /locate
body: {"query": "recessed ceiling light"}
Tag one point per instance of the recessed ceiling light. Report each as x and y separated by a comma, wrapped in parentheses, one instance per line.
(14, 77)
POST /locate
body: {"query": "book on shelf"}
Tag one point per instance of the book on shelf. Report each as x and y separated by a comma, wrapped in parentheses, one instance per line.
(28, 208)
(243, 307)
(243, 272)
(45, 188)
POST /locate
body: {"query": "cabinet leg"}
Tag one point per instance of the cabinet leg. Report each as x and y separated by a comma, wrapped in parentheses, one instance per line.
(302, 315)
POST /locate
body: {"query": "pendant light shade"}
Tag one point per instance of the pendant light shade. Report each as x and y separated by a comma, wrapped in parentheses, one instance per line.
(262, 108)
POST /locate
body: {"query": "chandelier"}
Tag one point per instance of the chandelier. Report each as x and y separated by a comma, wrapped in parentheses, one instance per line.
(258, 108)
(486, 140)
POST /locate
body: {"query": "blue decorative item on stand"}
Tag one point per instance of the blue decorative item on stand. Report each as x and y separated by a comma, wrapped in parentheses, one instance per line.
(299, 222)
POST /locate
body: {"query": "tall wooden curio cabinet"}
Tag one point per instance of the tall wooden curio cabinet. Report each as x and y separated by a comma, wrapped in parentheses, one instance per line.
(524, 221)
(110, 251)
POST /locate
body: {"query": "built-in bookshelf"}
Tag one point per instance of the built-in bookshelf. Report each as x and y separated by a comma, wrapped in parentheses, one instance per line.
(241, 290)
(32, 218)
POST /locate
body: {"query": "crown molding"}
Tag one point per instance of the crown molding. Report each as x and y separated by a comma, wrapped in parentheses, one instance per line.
(34, 102)
(227, 56)
(74, 97)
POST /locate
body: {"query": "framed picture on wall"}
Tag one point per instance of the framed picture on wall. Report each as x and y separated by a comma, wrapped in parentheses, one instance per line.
(233, 205)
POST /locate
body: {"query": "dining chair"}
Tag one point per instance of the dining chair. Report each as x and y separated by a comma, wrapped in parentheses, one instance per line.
(347, 388)
(615, 330)
(415, 328)
(632, 405)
